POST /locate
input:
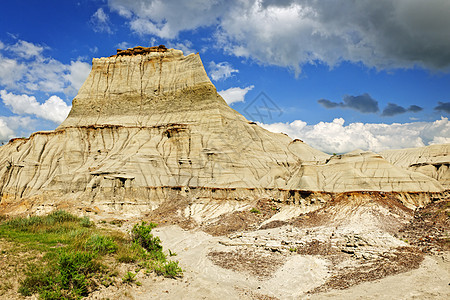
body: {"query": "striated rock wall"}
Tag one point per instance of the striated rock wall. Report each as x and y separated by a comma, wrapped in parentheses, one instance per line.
(433, 161)
(145, 90)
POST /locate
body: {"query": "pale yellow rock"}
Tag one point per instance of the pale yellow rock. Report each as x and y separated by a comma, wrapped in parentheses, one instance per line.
(144, 128)
(433, 161)
(365, 171)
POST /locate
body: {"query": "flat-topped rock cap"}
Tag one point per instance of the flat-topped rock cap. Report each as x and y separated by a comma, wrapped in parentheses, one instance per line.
(139, 50)
(137, 86)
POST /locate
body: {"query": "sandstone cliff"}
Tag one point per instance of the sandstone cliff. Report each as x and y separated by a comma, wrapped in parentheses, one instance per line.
(148, 125)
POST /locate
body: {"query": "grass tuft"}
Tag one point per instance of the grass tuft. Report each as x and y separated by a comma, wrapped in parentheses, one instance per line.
(169, 269)
(101, 244)
(255, 210)
(129, 277)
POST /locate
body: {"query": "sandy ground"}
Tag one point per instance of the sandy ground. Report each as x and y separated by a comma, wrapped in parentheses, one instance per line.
(430, 281)
(293, 277)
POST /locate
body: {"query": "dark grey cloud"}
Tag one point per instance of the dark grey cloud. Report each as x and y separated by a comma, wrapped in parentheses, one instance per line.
(363, 103)
(443, 106)
(328, 104)
(278, 3)
(403, 33)
(393, 109)
(414, 108)
(384, 34)
(366, 104)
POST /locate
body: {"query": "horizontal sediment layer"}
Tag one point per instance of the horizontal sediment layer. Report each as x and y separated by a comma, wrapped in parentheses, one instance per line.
(140, 200)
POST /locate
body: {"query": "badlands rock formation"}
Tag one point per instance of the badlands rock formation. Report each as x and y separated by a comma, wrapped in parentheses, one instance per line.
(148, 125)
(433, 161)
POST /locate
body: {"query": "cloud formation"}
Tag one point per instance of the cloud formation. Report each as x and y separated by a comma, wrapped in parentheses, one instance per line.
(24, 68)
(25, 49)
(54, 109)
(235, 94)
(6, 133)
(222, 70)
(366, 104)
(335, 137)
(100, 21)
(443, 107)
(185, 46)
(15, 126)
(363, 103)
(393, 109)
(384, 34)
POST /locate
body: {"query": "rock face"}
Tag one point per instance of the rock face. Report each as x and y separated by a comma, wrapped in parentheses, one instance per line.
(433, 161)
(367, 171)
(148, 125)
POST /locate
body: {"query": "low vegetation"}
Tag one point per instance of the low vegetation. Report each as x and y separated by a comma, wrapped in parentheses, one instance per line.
(75, 257)
(255, 210)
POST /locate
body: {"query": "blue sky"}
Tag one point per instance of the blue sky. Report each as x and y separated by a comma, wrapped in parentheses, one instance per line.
(339, 74)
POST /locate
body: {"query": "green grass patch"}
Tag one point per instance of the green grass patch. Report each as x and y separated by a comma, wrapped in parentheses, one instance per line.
(79, 256)
(129, 277)
(255, 210)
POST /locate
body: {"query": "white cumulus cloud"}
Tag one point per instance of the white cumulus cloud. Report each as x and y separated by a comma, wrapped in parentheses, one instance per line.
(25, 49)
(235, 94)
(222, 70)
(53, 109)
(336, 137)
(167, 18)
(15, 126)
(6, 133)
(24, 68)
(77, 73)
(11, 71)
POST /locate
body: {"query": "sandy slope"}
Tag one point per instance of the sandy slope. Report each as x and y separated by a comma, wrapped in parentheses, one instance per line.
(430, 281)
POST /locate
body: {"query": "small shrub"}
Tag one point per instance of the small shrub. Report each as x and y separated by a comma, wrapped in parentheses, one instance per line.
(100, 244)
(126, 258)
(117, 222)
(36, 279)
(85, 222)
(141, 234)
(255, 211)
(129, 277)
(74, 267)
(169, 269)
